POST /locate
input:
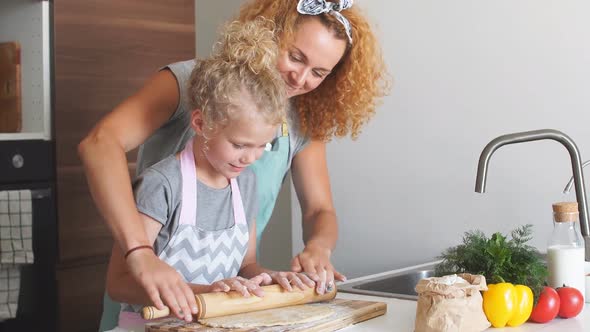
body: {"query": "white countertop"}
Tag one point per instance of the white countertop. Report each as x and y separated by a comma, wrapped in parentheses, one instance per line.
(401, 315)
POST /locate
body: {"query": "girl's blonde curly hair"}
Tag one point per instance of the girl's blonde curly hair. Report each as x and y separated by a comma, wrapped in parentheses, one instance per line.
(243, 60)
(347, 98)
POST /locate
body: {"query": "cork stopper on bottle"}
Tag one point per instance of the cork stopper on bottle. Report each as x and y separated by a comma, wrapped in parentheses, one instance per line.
(565, 211)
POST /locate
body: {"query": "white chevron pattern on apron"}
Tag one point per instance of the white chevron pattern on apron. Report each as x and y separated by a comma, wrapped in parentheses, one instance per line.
(200, 256)
(203, 258)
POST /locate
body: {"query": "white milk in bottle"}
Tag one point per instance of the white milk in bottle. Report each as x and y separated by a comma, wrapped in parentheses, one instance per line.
(565, 251)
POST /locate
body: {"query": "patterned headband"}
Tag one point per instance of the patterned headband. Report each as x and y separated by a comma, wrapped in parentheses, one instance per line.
(317, 7)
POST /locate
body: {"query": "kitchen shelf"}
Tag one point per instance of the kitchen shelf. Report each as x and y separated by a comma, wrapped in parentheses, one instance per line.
(28, 23)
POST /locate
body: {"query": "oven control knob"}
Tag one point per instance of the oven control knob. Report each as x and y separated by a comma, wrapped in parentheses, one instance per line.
(18, 161)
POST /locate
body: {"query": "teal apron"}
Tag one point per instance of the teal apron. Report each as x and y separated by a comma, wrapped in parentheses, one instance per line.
(110, 313)
(270, 172)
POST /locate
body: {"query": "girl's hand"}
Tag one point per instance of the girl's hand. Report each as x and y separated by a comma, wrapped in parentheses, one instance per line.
(241, 285)
(288, 280)
(262, 279)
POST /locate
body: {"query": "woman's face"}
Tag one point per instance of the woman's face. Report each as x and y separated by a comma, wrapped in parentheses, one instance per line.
(310, 58)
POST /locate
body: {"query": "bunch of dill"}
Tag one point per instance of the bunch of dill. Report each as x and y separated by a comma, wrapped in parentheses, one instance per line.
(498, 258)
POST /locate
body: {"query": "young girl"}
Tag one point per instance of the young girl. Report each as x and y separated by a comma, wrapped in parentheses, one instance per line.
(332, 64)
(199, 206)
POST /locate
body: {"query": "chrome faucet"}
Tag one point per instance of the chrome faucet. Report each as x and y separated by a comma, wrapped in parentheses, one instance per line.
(536, 135)
(570, 183)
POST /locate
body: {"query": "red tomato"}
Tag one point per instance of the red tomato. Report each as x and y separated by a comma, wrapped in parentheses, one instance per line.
(572, 302)
(547, 307)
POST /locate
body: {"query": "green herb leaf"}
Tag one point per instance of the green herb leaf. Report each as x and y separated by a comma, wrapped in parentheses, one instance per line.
(498, 259)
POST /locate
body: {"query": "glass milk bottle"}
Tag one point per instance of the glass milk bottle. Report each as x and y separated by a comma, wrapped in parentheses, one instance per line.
(565, 252)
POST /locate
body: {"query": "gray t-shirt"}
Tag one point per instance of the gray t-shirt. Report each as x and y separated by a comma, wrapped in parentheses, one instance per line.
(172, 136)
(158, 194)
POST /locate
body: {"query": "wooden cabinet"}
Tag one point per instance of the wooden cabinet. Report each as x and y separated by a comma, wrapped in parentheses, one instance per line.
(103, 51)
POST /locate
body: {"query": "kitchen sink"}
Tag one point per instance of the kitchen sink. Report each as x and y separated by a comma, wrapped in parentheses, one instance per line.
(398, 285)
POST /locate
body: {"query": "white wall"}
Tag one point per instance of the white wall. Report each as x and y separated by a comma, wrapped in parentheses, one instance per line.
(209, 18)
(464, 73)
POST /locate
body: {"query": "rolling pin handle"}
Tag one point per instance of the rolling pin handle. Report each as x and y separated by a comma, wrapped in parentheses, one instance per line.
(151, 312)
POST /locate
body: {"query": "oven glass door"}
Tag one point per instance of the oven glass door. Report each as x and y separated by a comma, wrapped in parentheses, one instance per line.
(37, 296)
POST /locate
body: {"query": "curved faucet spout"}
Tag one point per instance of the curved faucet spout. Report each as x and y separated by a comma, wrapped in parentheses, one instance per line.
(536, 135)
(570, 183)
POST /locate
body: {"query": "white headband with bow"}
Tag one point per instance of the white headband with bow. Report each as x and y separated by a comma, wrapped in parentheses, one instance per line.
(317, 7)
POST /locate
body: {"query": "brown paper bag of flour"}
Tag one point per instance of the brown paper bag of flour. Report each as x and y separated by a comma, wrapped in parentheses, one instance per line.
(447, 306)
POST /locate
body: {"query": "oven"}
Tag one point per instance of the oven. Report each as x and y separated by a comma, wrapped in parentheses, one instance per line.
(27, 165)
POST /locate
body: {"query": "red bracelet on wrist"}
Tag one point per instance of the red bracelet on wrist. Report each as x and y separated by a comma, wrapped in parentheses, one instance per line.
(137, 248)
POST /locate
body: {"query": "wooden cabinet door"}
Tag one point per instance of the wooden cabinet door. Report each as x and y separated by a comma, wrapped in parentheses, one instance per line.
(104, 50)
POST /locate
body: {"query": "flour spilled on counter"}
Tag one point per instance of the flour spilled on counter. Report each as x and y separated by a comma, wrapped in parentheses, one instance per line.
(271, 317)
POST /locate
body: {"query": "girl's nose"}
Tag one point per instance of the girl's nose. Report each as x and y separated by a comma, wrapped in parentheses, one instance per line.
(249, 157)
(259, 153)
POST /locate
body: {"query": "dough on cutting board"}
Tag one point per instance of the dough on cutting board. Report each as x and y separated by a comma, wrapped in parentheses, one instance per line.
(278, 316)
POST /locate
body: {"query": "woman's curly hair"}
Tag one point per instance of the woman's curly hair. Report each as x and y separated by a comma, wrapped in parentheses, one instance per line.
(243, 60)
(347, 98)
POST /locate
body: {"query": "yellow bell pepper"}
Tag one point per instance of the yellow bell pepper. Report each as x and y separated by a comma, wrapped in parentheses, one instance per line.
(507, 304)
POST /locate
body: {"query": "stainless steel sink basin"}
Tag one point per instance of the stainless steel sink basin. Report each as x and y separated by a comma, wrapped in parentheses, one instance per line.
(396, 285)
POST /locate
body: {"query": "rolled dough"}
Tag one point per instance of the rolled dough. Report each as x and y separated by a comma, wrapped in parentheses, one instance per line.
(271, 317)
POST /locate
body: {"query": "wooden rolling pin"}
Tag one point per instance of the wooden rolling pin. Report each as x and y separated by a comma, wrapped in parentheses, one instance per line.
(221, 303)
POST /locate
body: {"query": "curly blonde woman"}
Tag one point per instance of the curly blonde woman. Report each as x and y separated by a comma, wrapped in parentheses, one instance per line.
(347, 96)
(331, 62)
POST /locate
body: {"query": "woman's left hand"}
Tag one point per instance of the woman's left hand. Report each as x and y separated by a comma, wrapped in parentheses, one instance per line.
(314, 261)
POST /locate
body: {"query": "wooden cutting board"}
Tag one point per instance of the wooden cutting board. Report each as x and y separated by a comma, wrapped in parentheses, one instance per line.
(10, 88)
(346, 312)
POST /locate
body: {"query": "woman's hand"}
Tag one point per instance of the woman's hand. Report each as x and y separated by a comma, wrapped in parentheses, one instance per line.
(309, 171)
(103, 154)
(314, 261)
(244, 286)
(163, 284)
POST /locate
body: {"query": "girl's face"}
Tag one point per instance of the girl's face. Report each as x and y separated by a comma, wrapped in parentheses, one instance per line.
(235, 146)
(310, 58)
(238, 145)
